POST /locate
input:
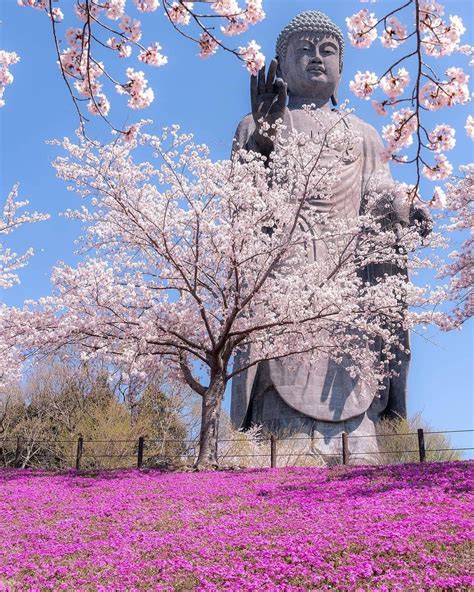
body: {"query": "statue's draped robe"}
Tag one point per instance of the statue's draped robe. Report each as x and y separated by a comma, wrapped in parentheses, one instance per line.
(325, 391)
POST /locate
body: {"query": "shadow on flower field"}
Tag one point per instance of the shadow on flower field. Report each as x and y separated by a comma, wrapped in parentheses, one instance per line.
(385, 528)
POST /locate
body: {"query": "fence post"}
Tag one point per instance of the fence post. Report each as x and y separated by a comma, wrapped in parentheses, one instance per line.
(80, 444)
(421, 445)
(345, 448)
(273, 451)
(141, 441)
(17, 452)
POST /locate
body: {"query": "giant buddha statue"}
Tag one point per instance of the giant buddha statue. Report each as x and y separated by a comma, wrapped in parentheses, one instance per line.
(282, 395)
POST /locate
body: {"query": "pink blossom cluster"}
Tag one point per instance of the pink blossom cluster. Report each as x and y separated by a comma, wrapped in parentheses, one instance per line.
(392, 528)
(442, 169)
(394, 85)
(364, 84)
(435, 95)
(394, 33)
(459, 202)
(469, 127)
(82, 69)
(399, 133)
(442, 138)
(207, 45)
(441, 38)
(152, 56)
(253, 58)
(141, 95)
(7, 59)
(362, 29)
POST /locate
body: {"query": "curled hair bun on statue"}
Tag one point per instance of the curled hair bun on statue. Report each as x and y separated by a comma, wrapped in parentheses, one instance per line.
(310, 21)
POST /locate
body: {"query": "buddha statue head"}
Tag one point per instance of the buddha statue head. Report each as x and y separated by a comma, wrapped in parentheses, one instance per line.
(310, 53)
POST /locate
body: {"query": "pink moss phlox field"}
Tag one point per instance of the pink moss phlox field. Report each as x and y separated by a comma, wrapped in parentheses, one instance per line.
(390, 528)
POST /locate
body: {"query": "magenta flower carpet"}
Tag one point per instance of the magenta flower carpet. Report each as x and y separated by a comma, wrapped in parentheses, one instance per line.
(405, 527)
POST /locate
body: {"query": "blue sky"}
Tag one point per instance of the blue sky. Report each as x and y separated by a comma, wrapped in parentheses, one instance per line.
(207, 98)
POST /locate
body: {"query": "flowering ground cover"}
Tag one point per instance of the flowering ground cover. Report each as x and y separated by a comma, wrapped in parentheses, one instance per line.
(404, 527)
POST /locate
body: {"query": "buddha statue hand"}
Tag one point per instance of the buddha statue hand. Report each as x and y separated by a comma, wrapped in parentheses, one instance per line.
(268, 98)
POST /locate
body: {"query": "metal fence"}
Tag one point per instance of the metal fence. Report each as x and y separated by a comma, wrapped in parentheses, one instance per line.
(271, 451)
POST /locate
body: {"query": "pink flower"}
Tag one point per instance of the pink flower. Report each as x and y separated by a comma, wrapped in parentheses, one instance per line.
(146, 5)
(393, 86)
(361, 28)
(178, 14)
(399, 133)
(469, 127)
(208, 45)
(442, 138)
(447, 93)
(236, 26)
(439, 199)
(225, 7)
(254, 12)
(380, 107)
(114, 9)
(364, 84)
(57, 15)
(123, 49)
(140, 96)
(253, 58)
(131, 27)
(394, 33)
(7, 58)
(152, 56)
(441, 170)
(99, 106)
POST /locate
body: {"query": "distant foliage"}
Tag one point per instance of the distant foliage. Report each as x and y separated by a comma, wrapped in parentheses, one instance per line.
(61, 401)
(395, 445)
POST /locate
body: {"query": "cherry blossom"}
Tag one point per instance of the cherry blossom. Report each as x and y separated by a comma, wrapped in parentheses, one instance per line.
(253, 57)
(442, 138)
(140, 95)
(111, 23)
(364, 84)
(7, 59)
(10, 220)
(469, 127)
(177, 271)
(441, 170)
(459, 197)
(207, 44)
(131, 27)
(99, 105)
(439, 199)
(123, 49)
(394, 33)
(399, 133)
(362, 31)
(394, 85)
(380, 108)
(226, 7)
(152, 56)
(179, 14)
(254, 12)
(146, 5)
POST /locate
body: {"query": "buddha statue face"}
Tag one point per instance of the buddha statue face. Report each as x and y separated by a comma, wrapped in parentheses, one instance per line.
(311, 65)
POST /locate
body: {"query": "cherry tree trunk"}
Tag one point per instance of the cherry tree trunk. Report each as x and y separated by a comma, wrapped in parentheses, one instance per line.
(211, 410)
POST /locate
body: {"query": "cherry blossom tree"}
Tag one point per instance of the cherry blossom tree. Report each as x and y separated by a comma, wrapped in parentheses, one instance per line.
(101, 30)
(186, 260)
(412, 89)
(459, 196)
(10, 263)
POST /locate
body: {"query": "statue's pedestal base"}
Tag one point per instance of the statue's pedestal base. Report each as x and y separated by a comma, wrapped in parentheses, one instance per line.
(301, 436)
